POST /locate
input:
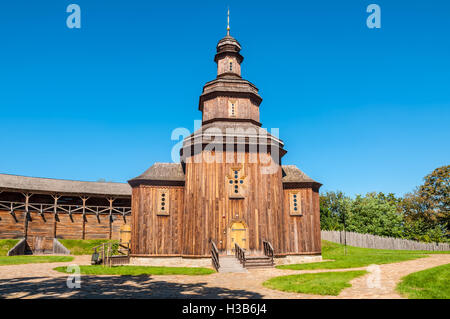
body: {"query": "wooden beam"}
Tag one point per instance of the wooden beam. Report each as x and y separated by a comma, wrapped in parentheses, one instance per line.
(84, 199)
(55, 213)
(111, 200)
(13, 214)
(41, 213)
(26, 214)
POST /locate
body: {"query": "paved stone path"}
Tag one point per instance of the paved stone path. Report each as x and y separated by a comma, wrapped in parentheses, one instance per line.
(41, 281)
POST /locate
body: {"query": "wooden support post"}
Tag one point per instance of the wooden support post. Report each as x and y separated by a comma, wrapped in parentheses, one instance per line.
(124, 216)
(84, 199)
(41, 213)
(55, 213)
(27, 214)
(111, 200)
(70, 214)
(12, 213)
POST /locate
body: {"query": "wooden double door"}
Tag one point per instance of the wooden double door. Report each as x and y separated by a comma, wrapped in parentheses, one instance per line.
(238, 234)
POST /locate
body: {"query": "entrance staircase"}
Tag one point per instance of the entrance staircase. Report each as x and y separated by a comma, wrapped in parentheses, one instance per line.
(258, 262)
(240, 262)
(230, 264)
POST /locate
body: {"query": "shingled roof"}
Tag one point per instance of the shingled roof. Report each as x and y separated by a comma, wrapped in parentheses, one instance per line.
(173, 172)
(293, 174)
(293, 177)
(157, 174)
(160, 173)
(61, 186)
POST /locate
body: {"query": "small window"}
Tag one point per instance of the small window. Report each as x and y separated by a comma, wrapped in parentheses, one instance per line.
(295, 207)
(163, 202)
(232, 108)
(231, 66)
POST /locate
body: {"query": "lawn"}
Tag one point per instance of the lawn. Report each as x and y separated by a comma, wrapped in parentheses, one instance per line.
(433, 283)
(139, 270)
(6, 245)
(325, 283)
(82, 247)
(357, 257)
(16, 260)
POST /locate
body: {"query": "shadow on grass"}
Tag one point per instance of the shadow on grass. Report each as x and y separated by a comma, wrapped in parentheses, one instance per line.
(114, 287)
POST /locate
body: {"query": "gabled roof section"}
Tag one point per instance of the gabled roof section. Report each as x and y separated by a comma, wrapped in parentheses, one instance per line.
(61, 186)
(294, 177)
(160, 174)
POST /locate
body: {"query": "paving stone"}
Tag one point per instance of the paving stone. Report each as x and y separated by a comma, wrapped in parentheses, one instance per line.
(41, 281)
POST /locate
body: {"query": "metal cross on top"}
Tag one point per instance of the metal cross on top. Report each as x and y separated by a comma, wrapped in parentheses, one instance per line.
(228, 22)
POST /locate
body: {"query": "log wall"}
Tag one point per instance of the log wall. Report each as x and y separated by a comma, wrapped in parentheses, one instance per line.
(65, 228)
(302, 233)
(153, 234)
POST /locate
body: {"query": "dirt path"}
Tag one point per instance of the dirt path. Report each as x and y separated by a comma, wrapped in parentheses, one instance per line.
(41, 281)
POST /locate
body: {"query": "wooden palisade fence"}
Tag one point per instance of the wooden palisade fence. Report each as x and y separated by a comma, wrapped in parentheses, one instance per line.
(379, 242)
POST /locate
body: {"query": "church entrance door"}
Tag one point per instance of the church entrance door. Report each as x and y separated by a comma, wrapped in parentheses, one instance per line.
(238, 234)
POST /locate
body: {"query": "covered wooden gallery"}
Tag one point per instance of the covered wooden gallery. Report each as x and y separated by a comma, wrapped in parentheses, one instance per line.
(52, 208)
(230, 187)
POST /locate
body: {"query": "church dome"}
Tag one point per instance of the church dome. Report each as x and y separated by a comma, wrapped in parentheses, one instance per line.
(228, 45)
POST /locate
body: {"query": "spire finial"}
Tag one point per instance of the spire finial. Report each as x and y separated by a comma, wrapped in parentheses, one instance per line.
(228, 21)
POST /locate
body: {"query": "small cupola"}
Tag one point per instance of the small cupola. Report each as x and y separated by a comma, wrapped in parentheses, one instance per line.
(228, 58)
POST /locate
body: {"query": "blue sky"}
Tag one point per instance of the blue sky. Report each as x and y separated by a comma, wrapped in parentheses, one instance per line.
(358, 109)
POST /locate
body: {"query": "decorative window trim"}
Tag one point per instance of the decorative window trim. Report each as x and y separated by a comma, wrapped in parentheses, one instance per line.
(236, 183)
(232, 107)
(163, 205)
(295, 203)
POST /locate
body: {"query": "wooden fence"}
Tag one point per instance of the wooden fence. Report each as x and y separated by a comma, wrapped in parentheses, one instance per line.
(379, 242)
(29, 247)
(59, 249)
(19, 248)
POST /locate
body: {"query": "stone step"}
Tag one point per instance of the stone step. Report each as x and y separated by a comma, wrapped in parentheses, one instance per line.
(258, 266)
(231, 265)
(257, 258)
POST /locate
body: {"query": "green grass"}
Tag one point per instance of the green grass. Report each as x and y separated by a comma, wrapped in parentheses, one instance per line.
(139, 270)
(6, 245)
(16, 260)
(357, 257)
(433, 283)
(83, 247)
(325, 283)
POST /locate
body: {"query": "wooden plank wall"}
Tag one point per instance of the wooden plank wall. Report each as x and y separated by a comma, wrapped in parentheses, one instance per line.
(302, 233)
(202, 210)
(40, 227)
(210, 212)
(152, 233)
(66, 228)
(9, 228)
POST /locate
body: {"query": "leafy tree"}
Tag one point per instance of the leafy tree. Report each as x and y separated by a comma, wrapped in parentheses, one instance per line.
(423, 215)
(375, 214)
(429, 205)
(333, 208)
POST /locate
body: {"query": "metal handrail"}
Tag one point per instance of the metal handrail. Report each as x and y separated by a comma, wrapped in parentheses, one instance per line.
(215, 255)
(268, 249)
(240, 254)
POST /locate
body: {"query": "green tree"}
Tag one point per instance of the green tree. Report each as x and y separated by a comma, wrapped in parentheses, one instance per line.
(427, 209)
(333, 208)
(376, 214)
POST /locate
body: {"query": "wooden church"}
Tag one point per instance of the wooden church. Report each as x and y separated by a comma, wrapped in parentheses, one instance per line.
(229, 192)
